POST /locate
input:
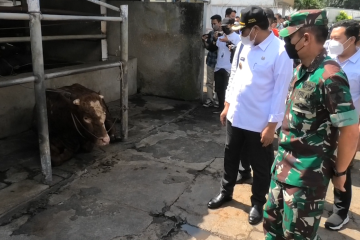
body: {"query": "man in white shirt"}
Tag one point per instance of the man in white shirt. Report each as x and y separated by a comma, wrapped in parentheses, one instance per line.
(223, 64)
(254, 107)
(342, 48)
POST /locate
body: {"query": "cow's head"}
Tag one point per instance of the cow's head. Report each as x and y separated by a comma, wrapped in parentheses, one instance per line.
(91, 112)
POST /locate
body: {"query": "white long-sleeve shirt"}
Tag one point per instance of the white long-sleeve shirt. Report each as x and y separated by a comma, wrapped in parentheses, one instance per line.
(223, 57)
(259, 84)
(352, 69)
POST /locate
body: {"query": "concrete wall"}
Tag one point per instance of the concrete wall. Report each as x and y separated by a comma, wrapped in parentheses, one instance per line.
(164, 37)
(333, 12)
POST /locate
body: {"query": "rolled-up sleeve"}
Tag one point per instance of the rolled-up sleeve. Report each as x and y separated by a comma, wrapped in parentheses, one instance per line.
(283, 73)
(338, 101)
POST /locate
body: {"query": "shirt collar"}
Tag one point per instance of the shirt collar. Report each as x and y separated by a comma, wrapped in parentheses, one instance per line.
(264, 44)
(317, 61)
(313, 66)
(354, 58)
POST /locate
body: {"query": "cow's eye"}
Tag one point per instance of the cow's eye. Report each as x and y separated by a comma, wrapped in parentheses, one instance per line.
(86, 119)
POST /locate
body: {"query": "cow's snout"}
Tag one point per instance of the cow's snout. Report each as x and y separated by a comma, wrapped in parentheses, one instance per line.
(104, 140)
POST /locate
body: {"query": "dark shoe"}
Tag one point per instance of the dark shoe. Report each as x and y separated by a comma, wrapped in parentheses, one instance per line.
(208, 103)
(335, 222)
(219, 200)
(244, 178)
(255, 215)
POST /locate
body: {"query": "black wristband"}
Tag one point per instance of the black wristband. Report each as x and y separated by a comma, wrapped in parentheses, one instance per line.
(339, 174)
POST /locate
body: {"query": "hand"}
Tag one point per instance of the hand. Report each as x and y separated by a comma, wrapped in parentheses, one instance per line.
(224, 39)
(339, 182)
(223, 116)
(230, 47)
(267, 135)
(205, 37)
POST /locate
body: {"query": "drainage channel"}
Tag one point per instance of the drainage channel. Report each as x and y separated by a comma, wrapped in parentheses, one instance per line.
(195, 232)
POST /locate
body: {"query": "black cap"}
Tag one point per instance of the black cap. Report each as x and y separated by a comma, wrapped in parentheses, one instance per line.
(227, 21)
(252, 16)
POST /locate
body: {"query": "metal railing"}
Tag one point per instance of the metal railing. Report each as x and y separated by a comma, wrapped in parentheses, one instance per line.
(39, 76)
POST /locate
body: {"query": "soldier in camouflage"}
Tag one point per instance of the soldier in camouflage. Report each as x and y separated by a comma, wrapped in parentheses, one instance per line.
(311, 150)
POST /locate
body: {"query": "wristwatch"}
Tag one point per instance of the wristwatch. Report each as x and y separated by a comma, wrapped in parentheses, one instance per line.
(339, 174)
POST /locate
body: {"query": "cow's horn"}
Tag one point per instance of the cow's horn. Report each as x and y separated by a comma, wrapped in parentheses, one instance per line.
(76, 102)
(101, 96)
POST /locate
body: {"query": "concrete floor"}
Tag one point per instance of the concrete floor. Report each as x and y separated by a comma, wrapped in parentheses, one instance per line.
(154, 186)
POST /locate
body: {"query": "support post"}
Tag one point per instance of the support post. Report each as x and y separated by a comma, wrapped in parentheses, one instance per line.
(39, 87)
(202, 54)
(104, 45)
(124, 45)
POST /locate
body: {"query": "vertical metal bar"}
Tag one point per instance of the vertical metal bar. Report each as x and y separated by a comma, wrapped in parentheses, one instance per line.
(104, 44)
(202, 54)
(124, 45)
(39, 87)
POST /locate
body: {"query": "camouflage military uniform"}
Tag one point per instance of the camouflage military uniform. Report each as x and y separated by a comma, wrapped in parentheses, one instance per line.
(319, 102)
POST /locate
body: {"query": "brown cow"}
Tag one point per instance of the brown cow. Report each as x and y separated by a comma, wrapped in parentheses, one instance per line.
(78, 119)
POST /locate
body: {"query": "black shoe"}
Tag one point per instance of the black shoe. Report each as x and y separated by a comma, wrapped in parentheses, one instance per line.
(255, 215)
(219, 200)
(336, 222)
(244, 178)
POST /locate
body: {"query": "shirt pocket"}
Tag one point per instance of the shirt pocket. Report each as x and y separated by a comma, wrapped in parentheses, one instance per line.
(304, 101)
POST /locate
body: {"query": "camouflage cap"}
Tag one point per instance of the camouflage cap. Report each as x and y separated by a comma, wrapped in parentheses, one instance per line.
(304, 18)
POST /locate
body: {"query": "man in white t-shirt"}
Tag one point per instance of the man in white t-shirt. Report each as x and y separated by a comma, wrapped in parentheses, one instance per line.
(223, 64)
(342, 48)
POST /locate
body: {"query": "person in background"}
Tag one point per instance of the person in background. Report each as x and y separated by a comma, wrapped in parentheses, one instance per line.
(237, 19)
(272, 21)
(230, 13)
(311, 151)
(210, 44)
(236, 28)
(342, 48)
(254, 106)
(223, 65)
(279, 21)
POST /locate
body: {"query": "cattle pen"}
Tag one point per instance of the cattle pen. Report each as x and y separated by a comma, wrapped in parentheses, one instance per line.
(39, 75)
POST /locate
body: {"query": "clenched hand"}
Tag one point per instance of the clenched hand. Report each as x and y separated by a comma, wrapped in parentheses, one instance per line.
(339, 182)
(267, 135)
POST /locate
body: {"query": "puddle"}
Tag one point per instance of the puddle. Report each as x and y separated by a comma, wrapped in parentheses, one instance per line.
(195, 232)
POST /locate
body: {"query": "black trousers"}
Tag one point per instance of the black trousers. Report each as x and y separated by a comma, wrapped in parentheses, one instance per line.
(342, 200)
(221, 78)
(260, 158)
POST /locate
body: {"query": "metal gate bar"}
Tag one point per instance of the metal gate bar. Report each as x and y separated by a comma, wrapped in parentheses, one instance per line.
(59, 72)
(52, 17)
(53, 38)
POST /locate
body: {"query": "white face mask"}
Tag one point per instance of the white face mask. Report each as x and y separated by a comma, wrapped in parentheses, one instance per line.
(247, 41)
(337, 48)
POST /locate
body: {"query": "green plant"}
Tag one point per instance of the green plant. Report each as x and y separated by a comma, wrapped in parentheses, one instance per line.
(308, 4)
(342, 16)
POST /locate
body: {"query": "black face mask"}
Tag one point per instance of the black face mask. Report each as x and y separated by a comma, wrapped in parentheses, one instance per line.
(291, 48)
(226, 30)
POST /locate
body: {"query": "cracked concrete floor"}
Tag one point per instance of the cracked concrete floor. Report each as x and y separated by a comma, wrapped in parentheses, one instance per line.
(155, 186)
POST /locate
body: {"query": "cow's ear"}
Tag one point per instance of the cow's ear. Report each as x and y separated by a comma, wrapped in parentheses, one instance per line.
(76, 102)
(101, 96)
